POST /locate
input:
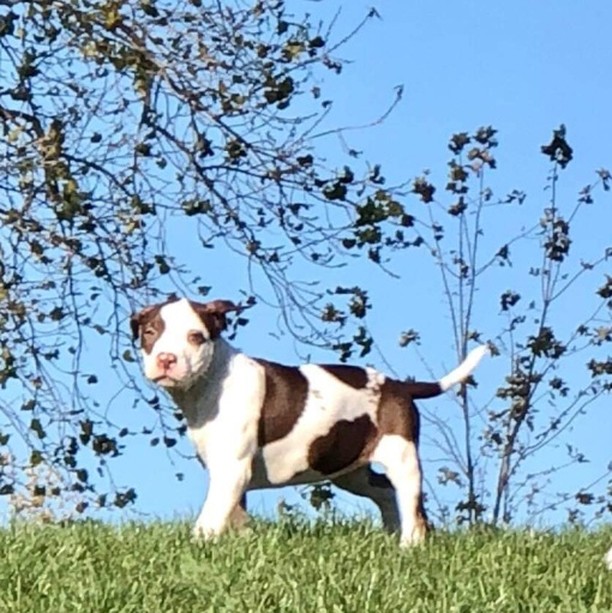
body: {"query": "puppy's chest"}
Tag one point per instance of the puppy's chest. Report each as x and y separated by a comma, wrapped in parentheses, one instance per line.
(228, 417)
(200, 438)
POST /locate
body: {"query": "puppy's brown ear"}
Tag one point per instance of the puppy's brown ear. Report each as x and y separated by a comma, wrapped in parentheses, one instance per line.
(220, 306)
(135, 326)
(213, 314)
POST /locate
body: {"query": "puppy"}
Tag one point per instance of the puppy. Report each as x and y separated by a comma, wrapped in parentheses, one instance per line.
(258, 424)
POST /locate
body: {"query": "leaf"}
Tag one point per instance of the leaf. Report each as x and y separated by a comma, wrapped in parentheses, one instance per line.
(423, 188)
(57, 314)
(127, 356)
(409, 336)
(558, 150)
(37, 427)
(335, 191)
(7, 489)
(316, 43)
(458, 142)
(509, 299)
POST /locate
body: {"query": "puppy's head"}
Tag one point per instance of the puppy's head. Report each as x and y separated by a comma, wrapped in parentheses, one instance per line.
(178, 338)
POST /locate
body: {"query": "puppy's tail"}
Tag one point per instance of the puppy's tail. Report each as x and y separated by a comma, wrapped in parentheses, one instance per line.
(423, 389)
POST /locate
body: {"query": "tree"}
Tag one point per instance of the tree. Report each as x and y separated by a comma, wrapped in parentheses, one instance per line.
(123, 121)
(555, 370)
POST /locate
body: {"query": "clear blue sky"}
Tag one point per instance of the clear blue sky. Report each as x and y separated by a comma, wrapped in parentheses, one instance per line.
(524, 67)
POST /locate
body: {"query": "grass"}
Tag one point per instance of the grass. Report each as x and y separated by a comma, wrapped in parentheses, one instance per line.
(292, 566)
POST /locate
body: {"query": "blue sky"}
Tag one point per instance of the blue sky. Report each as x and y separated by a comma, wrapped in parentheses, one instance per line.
(523, 67)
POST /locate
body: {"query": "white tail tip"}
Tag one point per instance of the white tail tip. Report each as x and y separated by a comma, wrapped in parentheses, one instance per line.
(465, 369)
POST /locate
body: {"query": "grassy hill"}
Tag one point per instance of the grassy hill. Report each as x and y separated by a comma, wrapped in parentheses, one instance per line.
(291, 566)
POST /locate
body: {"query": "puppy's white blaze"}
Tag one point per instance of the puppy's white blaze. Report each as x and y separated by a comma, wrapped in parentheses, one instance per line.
(608, 559)
(464, 370)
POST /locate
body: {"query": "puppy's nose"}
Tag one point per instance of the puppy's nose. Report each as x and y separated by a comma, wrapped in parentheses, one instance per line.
(166, 360)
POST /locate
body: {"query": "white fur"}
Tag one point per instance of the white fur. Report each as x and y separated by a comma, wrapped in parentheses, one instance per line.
(464, 369)
(401, 462)
(221, 393)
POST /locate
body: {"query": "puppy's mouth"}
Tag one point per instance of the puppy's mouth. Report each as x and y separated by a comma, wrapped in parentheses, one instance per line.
(165, 380)
(168, 380)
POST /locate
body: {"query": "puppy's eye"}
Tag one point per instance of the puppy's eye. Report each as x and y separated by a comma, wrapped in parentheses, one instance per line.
(149, 332)
(196, 338)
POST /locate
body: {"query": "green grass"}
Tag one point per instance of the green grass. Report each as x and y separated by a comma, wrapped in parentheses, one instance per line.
(291, 566)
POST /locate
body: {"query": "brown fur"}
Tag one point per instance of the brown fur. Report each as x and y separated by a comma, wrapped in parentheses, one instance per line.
(284, 400)
(344, 445)
(354, 376)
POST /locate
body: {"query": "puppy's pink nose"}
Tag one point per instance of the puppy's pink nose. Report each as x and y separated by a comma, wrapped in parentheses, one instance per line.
(166, 361)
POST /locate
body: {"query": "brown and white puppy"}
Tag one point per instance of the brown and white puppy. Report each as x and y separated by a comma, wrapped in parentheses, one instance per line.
(257, 424)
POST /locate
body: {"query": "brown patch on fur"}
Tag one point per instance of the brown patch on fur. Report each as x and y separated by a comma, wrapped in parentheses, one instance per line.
(213, 315)
(423, 389)
(148, 317)
(397, 413)
(284, 400)
(149, 325)
(344, 444)
(354, 376)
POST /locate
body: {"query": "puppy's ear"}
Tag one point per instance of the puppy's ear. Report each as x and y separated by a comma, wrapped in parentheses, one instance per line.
(220, 306)
(135, 326)
(213, 314)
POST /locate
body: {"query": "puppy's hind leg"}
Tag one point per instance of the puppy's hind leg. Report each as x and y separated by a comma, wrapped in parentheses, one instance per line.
(239, 516)
(366, 483)
(401, 461)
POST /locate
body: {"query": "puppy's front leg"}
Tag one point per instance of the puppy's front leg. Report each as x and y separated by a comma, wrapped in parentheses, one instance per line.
(227, 485)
